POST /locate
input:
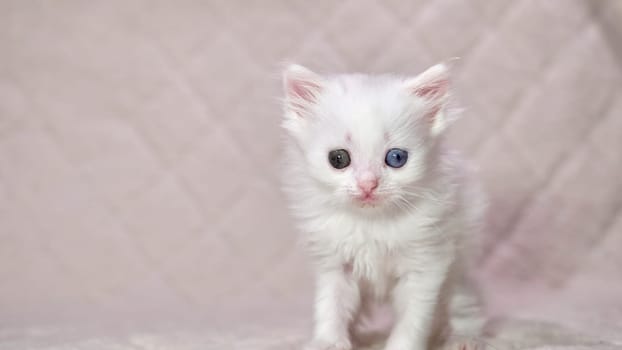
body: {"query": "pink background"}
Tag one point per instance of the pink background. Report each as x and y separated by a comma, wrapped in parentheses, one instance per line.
(140, 145)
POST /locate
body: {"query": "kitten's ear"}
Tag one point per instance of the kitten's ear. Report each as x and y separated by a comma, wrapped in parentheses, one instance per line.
(432, 87)
(302, 88)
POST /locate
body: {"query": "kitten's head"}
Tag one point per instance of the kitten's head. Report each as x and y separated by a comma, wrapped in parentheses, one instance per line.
(362, 142)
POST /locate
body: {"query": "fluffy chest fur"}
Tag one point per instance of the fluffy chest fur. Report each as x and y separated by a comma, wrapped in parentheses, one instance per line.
(376, 252)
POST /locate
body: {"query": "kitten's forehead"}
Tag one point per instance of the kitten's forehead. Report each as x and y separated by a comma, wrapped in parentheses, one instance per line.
(366, 106)
(367, 85)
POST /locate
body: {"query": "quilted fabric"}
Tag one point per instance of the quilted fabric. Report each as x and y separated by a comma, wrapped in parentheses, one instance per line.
(139, 150)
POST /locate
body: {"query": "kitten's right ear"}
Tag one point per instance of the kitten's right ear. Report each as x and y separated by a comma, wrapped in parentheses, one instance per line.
(302, 89)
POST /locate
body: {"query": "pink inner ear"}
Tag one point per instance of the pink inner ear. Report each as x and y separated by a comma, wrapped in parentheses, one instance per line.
(432, 90)
(303, 89)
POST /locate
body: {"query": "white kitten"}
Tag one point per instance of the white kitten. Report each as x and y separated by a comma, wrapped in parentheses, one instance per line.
(384, 208)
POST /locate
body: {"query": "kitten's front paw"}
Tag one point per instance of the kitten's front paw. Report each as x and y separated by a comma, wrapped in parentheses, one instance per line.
(400, 343)
(465, 345)
(320, 344)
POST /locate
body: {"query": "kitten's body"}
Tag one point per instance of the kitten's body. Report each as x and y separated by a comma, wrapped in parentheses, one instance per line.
(407, 245)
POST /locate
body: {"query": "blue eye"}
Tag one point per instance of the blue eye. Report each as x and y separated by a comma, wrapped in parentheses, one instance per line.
(396, 158)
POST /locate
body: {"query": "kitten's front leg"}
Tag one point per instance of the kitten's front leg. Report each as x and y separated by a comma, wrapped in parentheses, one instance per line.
(420, 310)
(337, 300)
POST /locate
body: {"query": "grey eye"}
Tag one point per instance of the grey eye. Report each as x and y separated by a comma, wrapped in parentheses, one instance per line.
(339, 158)
(396, 158)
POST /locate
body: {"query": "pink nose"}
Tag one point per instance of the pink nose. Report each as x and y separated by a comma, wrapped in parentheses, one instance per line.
(368, 185)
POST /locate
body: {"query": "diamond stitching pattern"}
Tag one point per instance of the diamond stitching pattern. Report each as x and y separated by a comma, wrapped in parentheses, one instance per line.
(139, 144)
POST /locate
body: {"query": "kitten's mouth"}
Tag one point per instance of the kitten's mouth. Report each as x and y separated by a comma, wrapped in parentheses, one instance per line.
(368, 200)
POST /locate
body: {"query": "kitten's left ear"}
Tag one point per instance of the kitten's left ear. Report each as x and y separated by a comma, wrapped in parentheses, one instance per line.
(432, 87)
(302, 89)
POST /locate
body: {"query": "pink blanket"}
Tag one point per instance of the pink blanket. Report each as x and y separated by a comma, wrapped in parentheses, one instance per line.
(139, 148)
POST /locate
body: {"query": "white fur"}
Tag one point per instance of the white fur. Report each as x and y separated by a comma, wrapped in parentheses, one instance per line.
(408, 249)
